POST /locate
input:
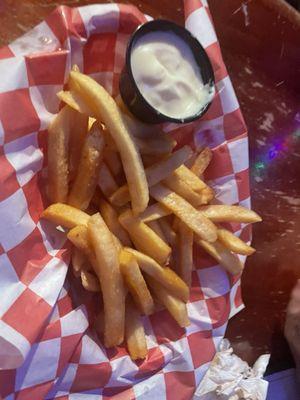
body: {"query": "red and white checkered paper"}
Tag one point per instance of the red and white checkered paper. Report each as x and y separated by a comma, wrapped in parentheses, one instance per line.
(47, 349)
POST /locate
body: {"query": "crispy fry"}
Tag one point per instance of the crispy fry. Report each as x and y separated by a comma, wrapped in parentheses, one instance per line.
(172, 282)
(225, 213)
(74, 101)
(144, 238)
(185, 250)
(58, 156)
(153, 212)
(91, 122)
(168, 232)
(155, 173)
(64, 215)
(79, 127)
(135, 282)
(201, 225)
(89, 281)
(134, 332)
(190, 178)
(234, 243)
(88, 169)
(202, 161)
(175, 183)
(154, 146)
(113, 162)
(108, 112)
(110, 217)
(108, 271)
(79, 262)
(106, 181)
(176, 307)
(79, 237)
(228, 260)
(154, 225)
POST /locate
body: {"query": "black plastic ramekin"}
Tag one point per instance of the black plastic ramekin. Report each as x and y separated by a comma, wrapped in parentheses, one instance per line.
(129, 90)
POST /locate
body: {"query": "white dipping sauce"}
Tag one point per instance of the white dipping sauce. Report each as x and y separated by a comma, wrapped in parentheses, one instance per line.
(167, 75)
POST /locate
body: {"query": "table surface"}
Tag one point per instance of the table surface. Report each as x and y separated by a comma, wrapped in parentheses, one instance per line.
(263, 66)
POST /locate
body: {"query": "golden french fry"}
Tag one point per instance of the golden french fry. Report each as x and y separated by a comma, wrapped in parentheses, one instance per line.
(74, 101)
(79, 237)
(191, 179)
(168, 278)
(65, 215)
(58, 156)
(154, 225)
(175, 183)
(225, 213)
(78, 131)
(113, 162)
(234, 243)
(91, 122)
(202, 161)
(79, 262)
(134, 332)
(222, 255)
(111, 219)
(135, 282)
(168, 232)
(176, 307)
(194, 219)
(106, 181)
(106, 110)
(185, 252)
(153, 212)
(154, 146)
(144, 238)
(155, 173)
(108, 272)
(88, 170)
(89, 281)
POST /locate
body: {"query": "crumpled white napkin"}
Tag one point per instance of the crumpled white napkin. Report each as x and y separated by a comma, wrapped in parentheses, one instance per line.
(231, 378)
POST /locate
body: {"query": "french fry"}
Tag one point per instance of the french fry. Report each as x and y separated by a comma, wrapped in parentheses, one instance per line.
(106, 181)
(74, 101)
(79, 262)
(168, 232)
(65, 215)
(154, 225)
(108, 272)
(202, 161)
(108, 112)
(91, 122)
(154, 146)
(134, 332)
(175, 183)
(153, 212)
(113, 162)
(78, 131)
(190, 178)
(135, 282)
(88, 170)
(172, 282)
(110, 217)
(234, 243)
(79, 237)
(176, 307)
(222, 255)
(225, 213)
(144, 238)
(89, 281)
(58, 156)
(195, 220)
(155, 173)
(185, 252)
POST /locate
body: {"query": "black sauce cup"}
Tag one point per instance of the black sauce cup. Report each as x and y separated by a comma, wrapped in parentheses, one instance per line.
(129, 90)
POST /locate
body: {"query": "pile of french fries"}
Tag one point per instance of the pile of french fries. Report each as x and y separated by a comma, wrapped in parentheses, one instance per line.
(132, 208)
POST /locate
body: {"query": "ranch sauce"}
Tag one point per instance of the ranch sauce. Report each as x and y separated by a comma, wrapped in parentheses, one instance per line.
(167, 75)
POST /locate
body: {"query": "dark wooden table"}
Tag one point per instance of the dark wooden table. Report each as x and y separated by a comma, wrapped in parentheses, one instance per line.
(260, 41)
